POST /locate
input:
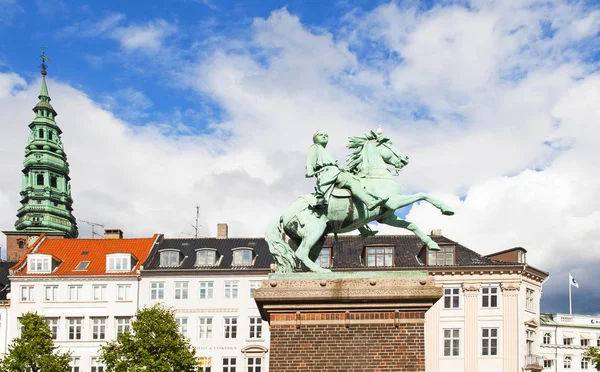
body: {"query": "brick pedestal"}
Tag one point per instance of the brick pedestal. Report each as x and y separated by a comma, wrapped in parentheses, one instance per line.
(368, 321)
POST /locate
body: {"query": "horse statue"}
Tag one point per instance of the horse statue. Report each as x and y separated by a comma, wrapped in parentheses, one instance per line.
(369, 161)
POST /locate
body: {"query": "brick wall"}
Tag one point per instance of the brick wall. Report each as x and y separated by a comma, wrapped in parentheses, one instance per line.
(16, 245)
(348, 341)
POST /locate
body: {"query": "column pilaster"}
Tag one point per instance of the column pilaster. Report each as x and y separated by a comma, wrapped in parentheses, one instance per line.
(471, 307)
(510, 326)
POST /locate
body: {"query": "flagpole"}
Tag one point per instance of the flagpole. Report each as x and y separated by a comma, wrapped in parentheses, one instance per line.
(570, 305)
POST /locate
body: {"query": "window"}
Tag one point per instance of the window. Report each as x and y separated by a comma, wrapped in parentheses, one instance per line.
(445, 256)
(567, 340)
(53, 181)
(254, 364)
(529, 301)
(585, 342)
(183, 325)
(118, 263)
(39, 265)
(567, 362)
(206, 257)
(124, 292)
(520, 257)
(206, 290)
(230, 327)
(98, 328)
(489, 297)
(75, 328)
(83, 265)
(205, 364)
(169, 258)
(229, 364)
(157, 290)
(598, 341)
(205, 327)
(21, 243)
(181, 290)
(50, 133)
(75, 364)
(242, 257)
(451, 298)
(255, 327)
(41, 133)
(380, 256)
(50, 293)
(324, 259)
(75, 293)
(97, 366)
(585, 364)
(99, 292)
(123, 324)
(53, 324)
(40, 179)
(253, 285)
(451, 342)
(547, 338)
(231, 289)
(548, 363)
(489, 341)
(27, 293)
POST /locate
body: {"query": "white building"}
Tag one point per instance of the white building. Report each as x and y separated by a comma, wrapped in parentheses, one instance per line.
(210, 283)
(87, 289)
(564, 338)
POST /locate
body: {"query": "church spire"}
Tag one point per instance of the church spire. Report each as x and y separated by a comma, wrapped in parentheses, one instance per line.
(46, 203)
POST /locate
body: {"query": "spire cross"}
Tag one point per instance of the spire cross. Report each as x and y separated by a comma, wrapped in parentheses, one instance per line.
(44, 59)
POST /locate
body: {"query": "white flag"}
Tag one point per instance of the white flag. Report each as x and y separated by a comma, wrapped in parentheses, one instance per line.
(573, 281)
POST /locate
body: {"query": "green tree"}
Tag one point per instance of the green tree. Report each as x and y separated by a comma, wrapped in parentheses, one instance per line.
(592, 354)
(35, 349)
(154, 344)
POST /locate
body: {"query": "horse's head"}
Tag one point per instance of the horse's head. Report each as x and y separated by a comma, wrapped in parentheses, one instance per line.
(372, 153)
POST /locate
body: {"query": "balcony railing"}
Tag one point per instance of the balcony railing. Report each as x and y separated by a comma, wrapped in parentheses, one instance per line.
(532, 360)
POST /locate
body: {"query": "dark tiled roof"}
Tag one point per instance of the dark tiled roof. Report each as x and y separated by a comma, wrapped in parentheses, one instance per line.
(188, 246)
(409, 251)
(4, 282)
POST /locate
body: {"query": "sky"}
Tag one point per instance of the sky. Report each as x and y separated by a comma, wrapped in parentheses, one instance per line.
(169, 105)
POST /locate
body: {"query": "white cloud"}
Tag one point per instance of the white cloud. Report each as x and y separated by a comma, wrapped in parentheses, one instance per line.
(144, 37)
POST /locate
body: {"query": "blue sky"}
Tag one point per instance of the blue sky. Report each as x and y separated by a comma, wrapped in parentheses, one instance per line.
(171, 104)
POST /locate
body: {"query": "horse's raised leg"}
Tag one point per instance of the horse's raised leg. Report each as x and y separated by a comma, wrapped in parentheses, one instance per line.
(399, 201)
(313, 234)
(396, 221)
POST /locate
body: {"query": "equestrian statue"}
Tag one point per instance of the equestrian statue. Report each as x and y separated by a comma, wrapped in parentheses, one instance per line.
(345, 199)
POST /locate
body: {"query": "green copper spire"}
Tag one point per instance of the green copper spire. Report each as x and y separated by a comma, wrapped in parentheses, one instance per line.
(46, 203)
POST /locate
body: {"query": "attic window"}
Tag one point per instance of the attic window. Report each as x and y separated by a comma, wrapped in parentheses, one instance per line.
(520, 256)
(242, 257)
(379, 256)
(83, 265)
(445, 256)
(39, 264)
(118, 262)
(206, 257)
(169, 258)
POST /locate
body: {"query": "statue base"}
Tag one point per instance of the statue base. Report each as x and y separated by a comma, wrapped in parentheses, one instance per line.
(345, 321)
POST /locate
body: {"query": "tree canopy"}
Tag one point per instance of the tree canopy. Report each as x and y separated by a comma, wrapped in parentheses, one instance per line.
(35, 349)
(592, 354)
(154, 344)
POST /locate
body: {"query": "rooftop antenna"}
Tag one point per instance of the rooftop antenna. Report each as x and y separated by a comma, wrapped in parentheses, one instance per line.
(94, 225)
(197, 226)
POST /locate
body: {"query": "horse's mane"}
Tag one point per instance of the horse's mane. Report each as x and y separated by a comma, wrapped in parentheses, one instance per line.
(357, 144)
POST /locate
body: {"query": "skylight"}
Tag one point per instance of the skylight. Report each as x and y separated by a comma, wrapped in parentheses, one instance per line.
(83, 265)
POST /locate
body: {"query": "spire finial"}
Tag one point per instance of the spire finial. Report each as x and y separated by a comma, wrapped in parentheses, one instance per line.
(380, 130)
(44, 59)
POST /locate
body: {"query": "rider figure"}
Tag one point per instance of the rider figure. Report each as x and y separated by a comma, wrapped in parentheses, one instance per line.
(320, 163)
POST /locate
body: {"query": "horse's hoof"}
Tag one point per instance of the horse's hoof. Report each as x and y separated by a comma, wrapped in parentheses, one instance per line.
(448, 212)
(433, 246)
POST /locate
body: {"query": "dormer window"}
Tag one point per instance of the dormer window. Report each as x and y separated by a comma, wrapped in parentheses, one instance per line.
(379, 256)
(118, 262)
(206, 257)
(169, 258)
(242, 257)
(443, 257)
(39, 263)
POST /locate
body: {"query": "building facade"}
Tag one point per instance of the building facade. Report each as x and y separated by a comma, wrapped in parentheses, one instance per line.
(87, 289)
(563, 339)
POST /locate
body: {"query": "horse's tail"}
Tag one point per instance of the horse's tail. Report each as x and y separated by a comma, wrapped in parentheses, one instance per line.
(281, 251)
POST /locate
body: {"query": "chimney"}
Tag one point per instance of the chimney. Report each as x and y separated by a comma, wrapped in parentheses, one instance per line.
(222, 231)
(436, 232)
(113, 234)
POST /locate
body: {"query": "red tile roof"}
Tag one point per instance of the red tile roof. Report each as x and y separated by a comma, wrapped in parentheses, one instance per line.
(70, 252)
